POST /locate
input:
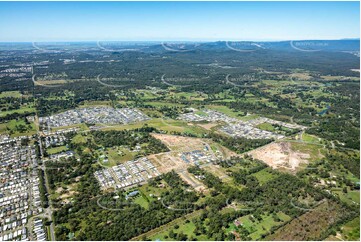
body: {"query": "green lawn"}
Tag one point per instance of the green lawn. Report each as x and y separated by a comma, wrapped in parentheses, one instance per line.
(163, 124)
(152, 192)
(55, 150)
(310, 138)
(190, 95)
(351, 230)
(266, 126)
(117, 155)
(315, 151)
(141, 201)
(257, 228)
(264, 176)
(226, 110)
(354, 196)
(15, 94)
(17, 128)
(186, 228)
(94, 103)
(146, 94)
(82, 127)
(79, 138)
(350, 197)
(201, 113)
(249, 117)
(160, 104)
(20, 111)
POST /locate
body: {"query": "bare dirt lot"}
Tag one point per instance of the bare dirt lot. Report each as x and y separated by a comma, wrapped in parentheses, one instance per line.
(281, 155)
(301, 76)
(182, 144)
(175, 142)
(166, 162)
(191, 180)
(208, 126)
(66, 194)
(179, 145)
(217, 171)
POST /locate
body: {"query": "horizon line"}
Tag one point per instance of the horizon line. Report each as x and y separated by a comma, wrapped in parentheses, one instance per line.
(180, 40)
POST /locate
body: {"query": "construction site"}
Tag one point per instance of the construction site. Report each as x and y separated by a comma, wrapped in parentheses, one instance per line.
(184, 152)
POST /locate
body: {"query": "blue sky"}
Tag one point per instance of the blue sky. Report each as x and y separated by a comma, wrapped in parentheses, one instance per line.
(77, 21)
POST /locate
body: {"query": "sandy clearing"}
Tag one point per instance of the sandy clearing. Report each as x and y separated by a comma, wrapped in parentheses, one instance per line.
(280, 155)
(208, 126)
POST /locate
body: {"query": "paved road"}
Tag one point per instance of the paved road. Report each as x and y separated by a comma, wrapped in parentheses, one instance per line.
(108, 85)
(169, 84)
(47, 211)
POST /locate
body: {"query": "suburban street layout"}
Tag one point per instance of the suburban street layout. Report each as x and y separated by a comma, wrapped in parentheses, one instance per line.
(192, 121)
(237, 128)
(94, 115)
(19, 191)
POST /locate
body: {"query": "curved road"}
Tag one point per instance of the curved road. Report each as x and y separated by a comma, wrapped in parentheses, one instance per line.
(108, 85)
(172, 85)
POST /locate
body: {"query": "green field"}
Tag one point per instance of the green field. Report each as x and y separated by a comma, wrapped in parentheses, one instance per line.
(94, 104)
(226, 110)
(185, 227)
(117, 155)
(169, 125)
(257, 228)
(152, 192)
(201, 113)
(17, 128)
(189, 95)
(15, 94)
(141, 201)
(20, 111)
(160, 104)
(264, 176)
(55, 150)
(315, 151)
(310, 138)
(350, 197)
(82, 127)
(266, 126)
(79, 138)
(351, 230)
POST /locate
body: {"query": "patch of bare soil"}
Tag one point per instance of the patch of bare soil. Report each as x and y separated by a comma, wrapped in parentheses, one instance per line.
(208, 126)
(175, 142)
(191, 180)
(69, 192)
(304, 76)
(280, 155)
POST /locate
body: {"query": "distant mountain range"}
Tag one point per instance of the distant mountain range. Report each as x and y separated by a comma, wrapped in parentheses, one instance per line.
(303, 45)
(344, 45)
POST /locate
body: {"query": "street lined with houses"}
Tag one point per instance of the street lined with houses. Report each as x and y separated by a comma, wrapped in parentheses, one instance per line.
(128, 174)
(238, 128)
(93, 115)
(19, 190)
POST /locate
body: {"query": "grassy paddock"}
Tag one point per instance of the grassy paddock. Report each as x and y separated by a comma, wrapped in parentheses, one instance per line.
(20, 111)
(55, 150)
(15, 94)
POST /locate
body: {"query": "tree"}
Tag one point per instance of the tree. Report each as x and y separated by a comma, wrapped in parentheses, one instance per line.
(344, 189)
(171, 234)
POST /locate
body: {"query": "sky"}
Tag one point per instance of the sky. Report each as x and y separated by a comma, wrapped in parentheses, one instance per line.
(192, 21)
